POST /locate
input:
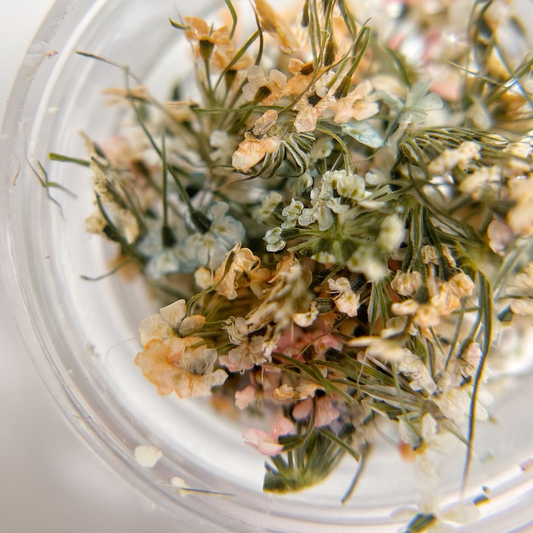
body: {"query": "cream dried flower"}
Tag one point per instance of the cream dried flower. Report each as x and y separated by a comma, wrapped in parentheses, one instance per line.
(239, 263)
(256, 146)
(302, 75)
(500, 236)
(474, 184)
(406, 283)
(365, 260)
(285, 392)
(391, 233)
(276, 27)
(223, 56)
(430, 255)
(304, 320)
(386, 349)
(169, 322)
(206, 40)
(359, 104)
(413, 366)
(520, 216)
(262, 90)
(346, 300)
(312, 106)
(252, 151)
(457, 157)
(418, 104)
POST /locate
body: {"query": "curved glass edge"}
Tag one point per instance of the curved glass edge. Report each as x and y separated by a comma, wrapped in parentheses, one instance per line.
(53, 32)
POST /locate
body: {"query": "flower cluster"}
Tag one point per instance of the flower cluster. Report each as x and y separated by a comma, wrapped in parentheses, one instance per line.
(340, 261)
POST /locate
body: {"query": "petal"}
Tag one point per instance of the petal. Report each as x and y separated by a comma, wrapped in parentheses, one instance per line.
(305, 120)
(430, 102)
(364, 110)
(326, 413)
(303, 409)
(248, 155)
(417, 92)
(191, 324)
(245, 397)
(147, 455)
(154, 327)
(282, 426)
(255, 74)
(154, 363)
(269, 448)
(174, 313)
(199, 26)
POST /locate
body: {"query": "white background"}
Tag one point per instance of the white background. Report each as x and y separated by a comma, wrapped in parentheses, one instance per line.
(50, 482)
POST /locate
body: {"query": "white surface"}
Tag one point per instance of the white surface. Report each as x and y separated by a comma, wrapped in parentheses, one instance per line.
(49, 480)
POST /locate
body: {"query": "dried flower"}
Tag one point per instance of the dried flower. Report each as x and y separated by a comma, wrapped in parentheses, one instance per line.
(175, 367)
(245, 397)
(418, 104)
(262, 90)
(339, 253)
(205, 38)
(267, 443)
(347, 301)
(406, 284)
(358, 104)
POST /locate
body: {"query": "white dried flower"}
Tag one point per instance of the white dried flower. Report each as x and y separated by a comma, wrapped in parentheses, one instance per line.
(274, 241)
(461, 285)
(521, 161)
(418, 104)
(413, 366)
(350, 186)
(364, 260)
(323, 203)
(291, 213)
(475, 183)
(322, 148)
(269, 202)
(388, 350)
(407, 307)
(392, 233)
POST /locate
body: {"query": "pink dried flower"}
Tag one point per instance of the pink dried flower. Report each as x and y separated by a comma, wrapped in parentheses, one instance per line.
(267, 443)
(243, 398)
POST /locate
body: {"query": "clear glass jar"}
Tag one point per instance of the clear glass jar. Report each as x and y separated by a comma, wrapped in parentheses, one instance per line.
(82, 334)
